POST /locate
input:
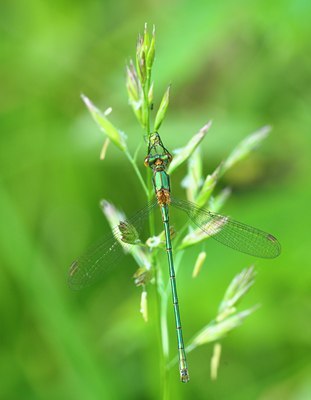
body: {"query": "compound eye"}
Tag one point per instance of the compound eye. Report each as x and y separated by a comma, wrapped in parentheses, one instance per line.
(146, 161)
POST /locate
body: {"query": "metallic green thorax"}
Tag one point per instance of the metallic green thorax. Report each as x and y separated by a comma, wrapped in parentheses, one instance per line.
(161, 180)
(158, 159)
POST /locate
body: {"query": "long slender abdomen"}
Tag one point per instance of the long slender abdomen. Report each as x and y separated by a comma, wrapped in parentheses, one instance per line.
(183, 369)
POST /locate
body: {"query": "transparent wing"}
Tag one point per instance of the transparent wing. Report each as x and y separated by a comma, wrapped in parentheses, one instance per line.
(90, 267)
(231, 233)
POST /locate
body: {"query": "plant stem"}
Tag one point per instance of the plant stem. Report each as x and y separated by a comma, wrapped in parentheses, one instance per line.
(146, 88)
(138, 85)
(160, 292)
(165, 344)
(162, 329)
(141, 180)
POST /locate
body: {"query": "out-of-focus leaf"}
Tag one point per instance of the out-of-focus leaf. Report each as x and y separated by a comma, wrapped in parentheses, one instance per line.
(146, 38)
(132, 83)
(238, 287)
(116, 136)
(129, 233)
(185, 152)
(142, 276)
(104, 149)
(217, 202)
(197, 235)
(114, 216)
(150, 94)
(198, 264)
(141, 60)
(215, 361)
(135, 92)
(244, 148)
(162, 109)
(151, 51)
(215, 331)
(144, 305)
(208, 187)
(193, 179)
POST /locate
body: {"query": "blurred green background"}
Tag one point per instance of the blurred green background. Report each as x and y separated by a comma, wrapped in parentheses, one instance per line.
(243, 64)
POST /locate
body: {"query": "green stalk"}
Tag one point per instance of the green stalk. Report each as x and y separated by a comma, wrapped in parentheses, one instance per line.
(141, 180)
(160, 292)
(147, 105)
(163, 330)
(138, 86)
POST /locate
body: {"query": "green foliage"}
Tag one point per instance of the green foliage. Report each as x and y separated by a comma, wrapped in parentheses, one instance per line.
(183, 154)
(162, 110)
(138, 83)
(242, 65)
(227, 317)
(116, 136)
(140, 95)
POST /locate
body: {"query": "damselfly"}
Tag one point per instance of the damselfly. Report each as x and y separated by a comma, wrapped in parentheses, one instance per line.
(90, 267)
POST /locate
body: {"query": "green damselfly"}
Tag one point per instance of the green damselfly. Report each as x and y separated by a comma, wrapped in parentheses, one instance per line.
(90, 267)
